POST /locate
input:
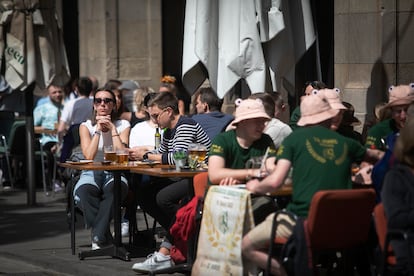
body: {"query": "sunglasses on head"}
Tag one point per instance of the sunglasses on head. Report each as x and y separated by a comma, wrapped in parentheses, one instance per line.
(105, 100)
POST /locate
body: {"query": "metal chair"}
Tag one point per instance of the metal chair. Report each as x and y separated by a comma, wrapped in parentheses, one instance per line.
(7, 120)
(14, 150)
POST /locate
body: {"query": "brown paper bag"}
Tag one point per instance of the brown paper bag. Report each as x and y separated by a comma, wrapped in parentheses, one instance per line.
(227, 216)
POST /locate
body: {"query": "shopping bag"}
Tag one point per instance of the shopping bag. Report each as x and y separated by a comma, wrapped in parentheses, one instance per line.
(227, 217)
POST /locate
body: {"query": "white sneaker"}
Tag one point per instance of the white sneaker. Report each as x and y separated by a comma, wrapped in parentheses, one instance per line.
(154, 261)
(125, 229)
(95, 246)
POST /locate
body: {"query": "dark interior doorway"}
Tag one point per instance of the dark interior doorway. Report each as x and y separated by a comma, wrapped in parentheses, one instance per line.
(71, 34)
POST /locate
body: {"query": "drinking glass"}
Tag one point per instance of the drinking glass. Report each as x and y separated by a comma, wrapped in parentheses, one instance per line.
(193, 156)
(257, 163)
(122, 156)
(110, 154)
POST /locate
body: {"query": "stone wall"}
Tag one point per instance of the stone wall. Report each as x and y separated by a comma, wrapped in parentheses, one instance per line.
(372, 50)
(121, 40)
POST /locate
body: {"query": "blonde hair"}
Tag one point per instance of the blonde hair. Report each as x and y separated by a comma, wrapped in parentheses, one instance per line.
(140, 95)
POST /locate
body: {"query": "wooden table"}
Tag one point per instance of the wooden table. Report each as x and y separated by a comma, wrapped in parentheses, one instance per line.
(45, 131)
(165, 171)
(117, 250)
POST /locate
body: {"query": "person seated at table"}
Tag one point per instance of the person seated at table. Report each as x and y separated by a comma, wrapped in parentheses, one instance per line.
(209, 116)
(168, 84)
(275, 128)
(232, 151)
(400, 97)
(307, 89)
(161, 197)
(141, 137)
(398, 194)
(321, 159)
(45, 120)
(93, 193)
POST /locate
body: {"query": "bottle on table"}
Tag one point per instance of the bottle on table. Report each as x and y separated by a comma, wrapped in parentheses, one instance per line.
(157, 139)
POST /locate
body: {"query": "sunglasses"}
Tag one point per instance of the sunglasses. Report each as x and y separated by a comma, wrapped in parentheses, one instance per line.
(105, 100)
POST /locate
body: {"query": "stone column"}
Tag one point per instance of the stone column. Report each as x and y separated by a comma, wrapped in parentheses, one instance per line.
(121, 39)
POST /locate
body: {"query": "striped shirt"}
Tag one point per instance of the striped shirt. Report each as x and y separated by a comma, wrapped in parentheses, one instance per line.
(186, 131)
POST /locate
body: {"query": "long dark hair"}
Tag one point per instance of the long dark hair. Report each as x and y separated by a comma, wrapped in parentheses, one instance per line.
(114, 115)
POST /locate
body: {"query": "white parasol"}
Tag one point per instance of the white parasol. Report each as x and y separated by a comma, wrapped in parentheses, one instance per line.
(259, 41)
(31, 44)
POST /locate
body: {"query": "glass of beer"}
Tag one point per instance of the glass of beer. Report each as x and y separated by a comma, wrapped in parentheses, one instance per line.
(122, 156)
(110, 154)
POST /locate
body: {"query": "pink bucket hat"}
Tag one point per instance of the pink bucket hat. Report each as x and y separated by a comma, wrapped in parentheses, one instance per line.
(400, 95)
(315, 109)
(249, 109)
(333, 97)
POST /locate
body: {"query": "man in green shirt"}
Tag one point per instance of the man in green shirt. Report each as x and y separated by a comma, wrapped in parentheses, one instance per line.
(230, 150)
(321, 159)
(307, 90)
(400, 98)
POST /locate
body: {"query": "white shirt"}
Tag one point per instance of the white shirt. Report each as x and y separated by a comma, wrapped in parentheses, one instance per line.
(106, 137)
(142, 134)
(278, 131)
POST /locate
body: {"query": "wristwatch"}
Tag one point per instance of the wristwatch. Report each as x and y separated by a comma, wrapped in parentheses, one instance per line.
(145, 156)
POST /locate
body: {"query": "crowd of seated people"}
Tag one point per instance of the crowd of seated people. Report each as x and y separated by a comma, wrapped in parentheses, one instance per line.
(232, 139)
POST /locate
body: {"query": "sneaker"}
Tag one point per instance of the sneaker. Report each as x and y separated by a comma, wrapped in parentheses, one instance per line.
(154, 261)
(95, 246)
(125, 229)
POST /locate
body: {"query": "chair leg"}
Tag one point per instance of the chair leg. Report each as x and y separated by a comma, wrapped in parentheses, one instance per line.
(42, 161)
(6, 154)
(72, 221)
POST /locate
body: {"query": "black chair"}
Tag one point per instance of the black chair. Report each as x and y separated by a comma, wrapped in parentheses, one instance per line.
(6, 122)
(16, 152)
(70, 141)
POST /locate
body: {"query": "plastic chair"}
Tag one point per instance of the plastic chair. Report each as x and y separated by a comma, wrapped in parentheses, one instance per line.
(338, 221)
(200, 182)
(385, 236)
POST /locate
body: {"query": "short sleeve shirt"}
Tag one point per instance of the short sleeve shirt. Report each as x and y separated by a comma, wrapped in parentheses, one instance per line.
(46, 115)
(321, 160)
(379, 131)
(225, 145)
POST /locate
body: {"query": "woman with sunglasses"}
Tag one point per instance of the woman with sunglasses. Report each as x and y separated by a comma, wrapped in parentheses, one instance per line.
(93, 192)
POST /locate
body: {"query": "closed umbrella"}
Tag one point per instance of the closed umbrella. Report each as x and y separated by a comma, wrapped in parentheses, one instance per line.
(258, 41)
(34, 55)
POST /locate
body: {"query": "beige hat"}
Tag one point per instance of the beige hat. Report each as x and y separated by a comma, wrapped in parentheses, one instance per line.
(315, 109)
(333, 97)
(400, 95)
(249, 109)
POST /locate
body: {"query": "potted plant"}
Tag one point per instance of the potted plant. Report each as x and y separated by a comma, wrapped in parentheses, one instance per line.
(180, 158)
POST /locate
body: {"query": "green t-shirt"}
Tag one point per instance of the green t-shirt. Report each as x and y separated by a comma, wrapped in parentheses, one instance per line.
(321, 160)
(379, 131)
(225, 145)
(294, 118)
